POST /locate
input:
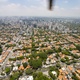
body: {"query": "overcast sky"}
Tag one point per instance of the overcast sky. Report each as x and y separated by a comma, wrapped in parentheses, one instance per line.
(62, 8)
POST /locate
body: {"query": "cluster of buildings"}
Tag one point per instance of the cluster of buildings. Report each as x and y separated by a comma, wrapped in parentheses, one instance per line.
(17, 42)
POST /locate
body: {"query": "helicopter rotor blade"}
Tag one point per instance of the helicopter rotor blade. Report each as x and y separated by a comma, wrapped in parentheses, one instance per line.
(50, 4)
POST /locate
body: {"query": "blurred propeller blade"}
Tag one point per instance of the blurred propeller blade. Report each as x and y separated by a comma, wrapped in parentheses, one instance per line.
(50, 4)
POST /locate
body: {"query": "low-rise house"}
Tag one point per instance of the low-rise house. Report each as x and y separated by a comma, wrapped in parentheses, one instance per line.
(54, 73)
(78, 71)
(53, 61)
(26, 78)
(72, 46)
(70, 57)
(28, 67)
(1, 60)
(21, 67)
(77, 65)
(70, 68)
(15, 68)
(62, 75)
(24, 60)
(62, 55)
(75, 51)
(47, 62)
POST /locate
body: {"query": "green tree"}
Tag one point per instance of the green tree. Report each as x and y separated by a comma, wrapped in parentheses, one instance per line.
(76, 56)
(42, 45)
(29, 71)
(15, 75)
(12, 59)
(59, 49)
(10, 45)
(54, 68)
(49, 51)
(52, 76)
(1, 50)
(40, 76)
(66, 52)
(42, 55)
(67, 59)
(7, 70)
(25, 65)
(58, 65)
(20, 58)
(63, 60)
(78, 47)
(74, 77)
(36, 63)
(57, 55)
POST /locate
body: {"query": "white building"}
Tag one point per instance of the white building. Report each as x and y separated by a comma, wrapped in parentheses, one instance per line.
(15, 68)
(54, 73)
(26, 78)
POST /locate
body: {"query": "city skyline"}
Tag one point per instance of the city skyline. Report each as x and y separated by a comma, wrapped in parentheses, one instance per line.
(62, 8)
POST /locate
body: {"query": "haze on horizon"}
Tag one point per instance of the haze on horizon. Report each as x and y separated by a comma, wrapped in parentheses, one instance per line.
(62, 8)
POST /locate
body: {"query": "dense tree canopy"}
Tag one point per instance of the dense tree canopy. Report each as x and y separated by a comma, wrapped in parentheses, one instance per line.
(7, 70)
(40, 76)
(74, 77)
(78, 47)
(15, 75)
(54, 68)
(10, 45)
(29, 71)
(36, 63)
(50, 51)
(25, 65)
(0, 50)
(42, 55)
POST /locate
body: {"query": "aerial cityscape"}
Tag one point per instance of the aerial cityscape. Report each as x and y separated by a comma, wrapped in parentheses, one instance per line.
(39, 39)
(39, 48)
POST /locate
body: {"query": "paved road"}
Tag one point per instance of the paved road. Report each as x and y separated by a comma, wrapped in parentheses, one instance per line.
(6, 60)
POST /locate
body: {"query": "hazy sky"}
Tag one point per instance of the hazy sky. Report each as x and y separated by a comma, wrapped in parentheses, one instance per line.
(62, 8)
